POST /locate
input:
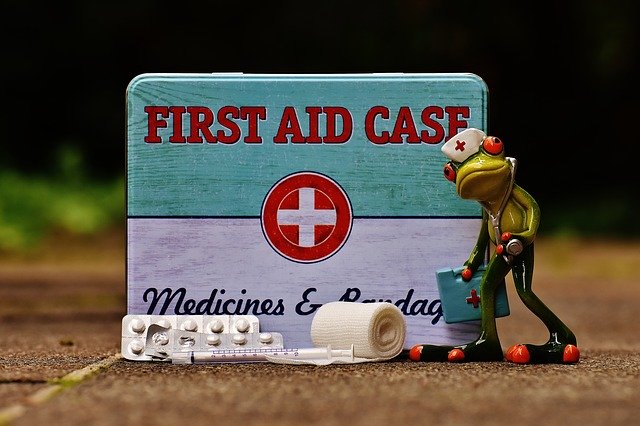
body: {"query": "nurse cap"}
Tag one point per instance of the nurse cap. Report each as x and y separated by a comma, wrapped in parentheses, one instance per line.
(463, 145)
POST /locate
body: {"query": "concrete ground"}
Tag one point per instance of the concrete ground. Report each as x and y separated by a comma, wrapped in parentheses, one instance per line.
(60, 313)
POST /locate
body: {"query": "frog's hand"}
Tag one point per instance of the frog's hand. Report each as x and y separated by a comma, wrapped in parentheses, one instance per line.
(532, 219)
(478, 253)
(509, 244)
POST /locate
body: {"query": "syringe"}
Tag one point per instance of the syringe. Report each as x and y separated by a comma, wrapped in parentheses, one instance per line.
(321, 355)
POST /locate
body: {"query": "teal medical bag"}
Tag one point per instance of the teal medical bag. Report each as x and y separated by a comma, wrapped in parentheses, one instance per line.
(461, 299)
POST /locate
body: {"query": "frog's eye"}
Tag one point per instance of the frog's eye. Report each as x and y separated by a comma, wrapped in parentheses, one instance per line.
(492, 145)
(450, 172)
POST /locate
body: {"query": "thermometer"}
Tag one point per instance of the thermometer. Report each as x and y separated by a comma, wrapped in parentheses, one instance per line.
(318, 356)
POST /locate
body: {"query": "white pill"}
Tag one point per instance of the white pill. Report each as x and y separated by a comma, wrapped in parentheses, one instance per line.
(239, 339)
(164, 323)
(213, 340)
(137, 325)
(242, 325)
(216, 326)
(136, 347)
(266, 338)
(190, 325)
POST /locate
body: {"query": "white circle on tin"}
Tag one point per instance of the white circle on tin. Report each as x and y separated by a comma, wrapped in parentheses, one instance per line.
(306, 217)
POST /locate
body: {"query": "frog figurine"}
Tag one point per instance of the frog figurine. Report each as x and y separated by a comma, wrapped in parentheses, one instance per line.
(482, 172)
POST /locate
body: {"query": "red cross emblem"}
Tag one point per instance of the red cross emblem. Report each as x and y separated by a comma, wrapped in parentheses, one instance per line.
(460, 145)
(306, 217)
(474, 299)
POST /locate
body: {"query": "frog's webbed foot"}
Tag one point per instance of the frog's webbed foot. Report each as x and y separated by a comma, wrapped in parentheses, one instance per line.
(549, 353)
(432, 353)
(475, 351)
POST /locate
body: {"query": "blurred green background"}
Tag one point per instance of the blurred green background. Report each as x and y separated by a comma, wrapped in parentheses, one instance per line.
(562, 80)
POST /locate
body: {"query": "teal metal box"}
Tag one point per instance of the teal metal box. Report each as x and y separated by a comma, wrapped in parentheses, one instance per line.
(273, 194)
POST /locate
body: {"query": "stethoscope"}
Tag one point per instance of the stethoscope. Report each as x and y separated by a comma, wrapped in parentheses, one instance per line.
(514, 246)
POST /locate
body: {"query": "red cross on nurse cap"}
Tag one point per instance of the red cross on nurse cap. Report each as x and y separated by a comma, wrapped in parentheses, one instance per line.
(463, 145)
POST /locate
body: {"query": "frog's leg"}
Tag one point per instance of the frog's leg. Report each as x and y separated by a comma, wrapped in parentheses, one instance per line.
(487, 346)
(561, 347)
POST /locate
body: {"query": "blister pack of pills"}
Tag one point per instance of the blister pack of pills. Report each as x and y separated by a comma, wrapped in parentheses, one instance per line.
(156, 337)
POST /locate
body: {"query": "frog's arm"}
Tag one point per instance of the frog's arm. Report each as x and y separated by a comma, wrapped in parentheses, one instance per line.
(532, 219)
(480, 249)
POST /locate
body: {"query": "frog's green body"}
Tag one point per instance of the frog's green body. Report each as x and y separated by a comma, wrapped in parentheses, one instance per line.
(488, 179)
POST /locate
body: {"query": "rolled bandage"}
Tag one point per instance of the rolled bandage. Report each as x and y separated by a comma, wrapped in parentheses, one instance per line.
(376, 330)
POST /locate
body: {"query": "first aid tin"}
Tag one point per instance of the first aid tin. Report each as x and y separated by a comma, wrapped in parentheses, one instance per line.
(270, 195)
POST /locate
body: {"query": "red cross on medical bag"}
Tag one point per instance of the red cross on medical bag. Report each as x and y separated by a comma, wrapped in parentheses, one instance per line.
(461, 299)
